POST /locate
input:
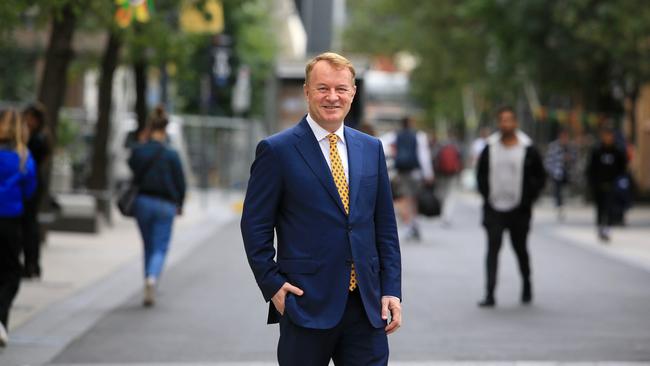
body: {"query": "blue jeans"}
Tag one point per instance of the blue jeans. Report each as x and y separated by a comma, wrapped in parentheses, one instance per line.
(155, 217)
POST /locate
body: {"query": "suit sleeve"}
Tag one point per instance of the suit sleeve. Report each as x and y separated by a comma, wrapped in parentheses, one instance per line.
(258, 219)
(390, 259)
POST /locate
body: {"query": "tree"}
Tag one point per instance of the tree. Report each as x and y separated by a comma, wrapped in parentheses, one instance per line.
(98, 179)
(592, 52)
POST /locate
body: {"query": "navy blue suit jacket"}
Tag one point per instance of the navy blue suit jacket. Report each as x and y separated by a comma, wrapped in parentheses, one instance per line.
(291, 192)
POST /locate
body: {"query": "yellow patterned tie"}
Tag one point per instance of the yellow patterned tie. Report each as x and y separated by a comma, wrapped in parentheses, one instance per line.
(342, 186)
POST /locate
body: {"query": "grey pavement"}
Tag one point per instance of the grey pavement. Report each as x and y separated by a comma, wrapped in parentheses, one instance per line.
(590, 307)
(88, 275)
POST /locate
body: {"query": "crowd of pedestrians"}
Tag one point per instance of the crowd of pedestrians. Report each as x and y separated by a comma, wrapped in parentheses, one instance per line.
(510, 175)
(17, 185)
(25, 155)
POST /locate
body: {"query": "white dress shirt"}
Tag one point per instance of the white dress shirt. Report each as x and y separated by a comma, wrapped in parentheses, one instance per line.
(324, 143)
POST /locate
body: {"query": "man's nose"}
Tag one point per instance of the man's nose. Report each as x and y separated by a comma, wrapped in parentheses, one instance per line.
(331, 94)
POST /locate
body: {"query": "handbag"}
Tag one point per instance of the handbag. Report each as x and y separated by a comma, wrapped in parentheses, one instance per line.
(126, 198)
(427, 202)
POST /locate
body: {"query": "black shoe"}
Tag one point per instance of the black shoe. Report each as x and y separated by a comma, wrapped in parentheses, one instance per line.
(488, 302)
(30, 272)
(527, 294)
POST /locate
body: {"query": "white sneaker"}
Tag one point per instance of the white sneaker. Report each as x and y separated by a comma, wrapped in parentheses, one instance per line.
(4, 337)
(149, 292)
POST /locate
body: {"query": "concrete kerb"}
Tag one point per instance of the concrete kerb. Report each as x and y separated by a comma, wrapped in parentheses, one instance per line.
(45, 334)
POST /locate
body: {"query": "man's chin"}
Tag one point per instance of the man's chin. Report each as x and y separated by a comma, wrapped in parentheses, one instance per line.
(332, 118)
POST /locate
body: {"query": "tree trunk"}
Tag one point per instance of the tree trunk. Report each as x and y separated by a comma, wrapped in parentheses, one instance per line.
(57, 59)
(140, 70)
(99, 177)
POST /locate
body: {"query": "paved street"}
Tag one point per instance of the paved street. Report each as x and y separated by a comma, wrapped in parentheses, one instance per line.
(589, 307)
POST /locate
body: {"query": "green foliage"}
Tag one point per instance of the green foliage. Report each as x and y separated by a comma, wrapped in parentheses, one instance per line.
(17, 80)
(67, 132)
(251, 25)
(589, 50)
(248, 22)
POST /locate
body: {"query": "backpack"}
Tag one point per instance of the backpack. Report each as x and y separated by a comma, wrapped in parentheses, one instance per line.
(406, 157)
(448, 161)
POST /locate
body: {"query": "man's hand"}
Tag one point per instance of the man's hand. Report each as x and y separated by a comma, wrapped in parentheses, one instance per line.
(281, 295)
(391, 304)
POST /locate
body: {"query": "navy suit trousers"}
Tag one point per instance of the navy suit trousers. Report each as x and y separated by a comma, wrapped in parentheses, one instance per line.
(353, 342)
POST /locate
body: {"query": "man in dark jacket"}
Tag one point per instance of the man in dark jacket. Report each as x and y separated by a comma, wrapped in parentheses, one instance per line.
(606, 164)
(510, 178)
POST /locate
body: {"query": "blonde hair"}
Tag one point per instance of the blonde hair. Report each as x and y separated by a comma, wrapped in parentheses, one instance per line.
(334, 59)
(13, 131)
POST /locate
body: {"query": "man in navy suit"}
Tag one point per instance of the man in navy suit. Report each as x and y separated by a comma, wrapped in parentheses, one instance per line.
(323, 189)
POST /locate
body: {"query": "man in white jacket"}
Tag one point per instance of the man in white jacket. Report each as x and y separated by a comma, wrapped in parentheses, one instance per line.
(510, 178)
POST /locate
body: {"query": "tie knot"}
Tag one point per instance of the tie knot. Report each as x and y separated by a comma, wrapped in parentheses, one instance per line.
(333, 138)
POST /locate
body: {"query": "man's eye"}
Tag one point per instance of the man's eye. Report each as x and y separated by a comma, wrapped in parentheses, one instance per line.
(322, 89)
(341, 90)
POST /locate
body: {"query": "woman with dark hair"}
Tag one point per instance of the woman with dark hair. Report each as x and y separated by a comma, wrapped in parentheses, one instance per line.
(17, 183)
(157, 171)
(40, 148)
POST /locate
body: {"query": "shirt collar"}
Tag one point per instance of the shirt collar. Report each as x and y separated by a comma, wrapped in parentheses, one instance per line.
(322, 133)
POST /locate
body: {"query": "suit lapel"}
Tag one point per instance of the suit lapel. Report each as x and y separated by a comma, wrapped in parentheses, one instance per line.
(310, 151)
(355, 162)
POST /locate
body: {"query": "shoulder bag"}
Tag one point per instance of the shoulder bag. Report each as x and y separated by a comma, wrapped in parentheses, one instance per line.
(126, 198)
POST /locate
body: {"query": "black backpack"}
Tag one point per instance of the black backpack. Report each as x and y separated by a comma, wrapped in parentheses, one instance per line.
(406, 157)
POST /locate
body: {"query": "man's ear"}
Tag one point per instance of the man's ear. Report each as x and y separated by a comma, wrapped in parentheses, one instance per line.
(305, 90)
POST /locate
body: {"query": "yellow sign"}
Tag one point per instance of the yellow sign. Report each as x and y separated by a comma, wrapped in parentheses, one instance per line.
(129, 9)
(207, 20)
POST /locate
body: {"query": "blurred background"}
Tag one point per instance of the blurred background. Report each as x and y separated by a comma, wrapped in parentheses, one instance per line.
(231, 72)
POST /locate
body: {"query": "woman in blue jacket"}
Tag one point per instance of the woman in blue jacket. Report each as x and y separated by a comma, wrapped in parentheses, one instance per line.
(17, 183)
(157, 171)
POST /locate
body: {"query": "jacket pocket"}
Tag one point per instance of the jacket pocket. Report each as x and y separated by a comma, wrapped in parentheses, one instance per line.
(304, 266)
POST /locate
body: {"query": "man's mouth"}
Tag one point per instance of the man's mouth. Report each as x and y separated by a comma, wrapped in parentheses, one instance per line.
(331, 107)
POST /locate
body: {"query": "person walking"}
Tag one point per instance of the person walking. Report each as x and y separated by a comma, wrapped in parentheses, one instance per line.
(412, 161)
(448, 164)
(158, 172)
(17, 184)
(606, 164)
(323, 188)
(560, 161)
(510, 177)
(41, 150)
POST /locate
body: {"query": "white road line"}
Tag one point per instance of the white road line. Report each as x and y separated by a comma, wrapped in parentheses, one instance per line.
(396, 363)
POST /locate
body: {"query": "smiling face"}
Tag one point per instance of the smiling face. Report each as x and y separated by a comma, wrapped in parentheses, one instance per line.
(329, 92)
